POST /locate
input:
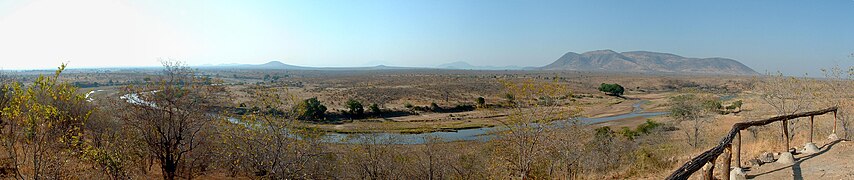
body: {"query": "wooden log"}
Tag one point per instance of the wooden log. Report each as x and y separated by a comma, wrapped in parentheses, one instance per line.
(811, 128)
(738, 151)
(834, 121)
(786, 135)
(710, 173)
(727, 163)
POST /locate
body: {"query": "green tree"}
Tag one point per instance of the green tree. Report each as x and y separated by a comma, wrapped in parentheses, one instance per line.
(481, 102)
(511, 99)
(737, 105)
(712, 105)
(311, 109)
(376, 109)
(612, 89)
(354, 108)
(691, 108)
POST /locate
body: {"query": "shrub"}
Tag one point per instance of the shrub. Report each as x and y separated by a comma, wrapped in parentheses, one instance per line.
(376, 109)
(481, 102)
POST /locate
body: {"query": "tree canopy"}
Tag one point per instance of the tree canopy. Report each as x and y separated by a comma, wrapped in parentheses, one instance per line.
(355, 108)
(311, 109)
(612, 89)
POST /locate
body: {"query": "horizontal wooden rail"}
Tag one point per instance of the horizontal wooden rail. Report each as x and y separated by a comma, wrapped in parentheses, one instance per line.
(698, 162)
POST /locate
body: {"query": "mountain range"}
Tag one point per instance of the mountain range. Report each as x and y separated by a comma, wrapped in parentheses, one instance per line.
(465, 65)
(597, 61)
(648, 62)
(277, 65)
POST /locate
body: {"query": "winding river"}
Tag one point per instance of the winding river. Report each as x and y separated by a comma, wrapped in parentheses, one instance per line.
(477, 134)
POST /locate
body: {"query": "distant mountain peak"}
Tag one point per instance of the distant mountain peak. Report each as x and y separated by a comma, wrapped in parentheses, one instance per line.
(466, 65)
(646, 61)
(604, 51)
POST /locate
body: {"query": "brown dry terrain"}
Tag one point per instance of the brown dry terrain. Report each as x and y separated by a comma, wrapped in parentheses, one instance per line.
(393, 89)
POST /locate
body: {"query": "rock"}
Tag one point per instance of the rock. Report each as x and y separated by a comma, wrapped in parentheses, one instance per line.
(766, 157)
(754, 162)
(810, 148)
(786, 158)
(833, 137)
(737, 174)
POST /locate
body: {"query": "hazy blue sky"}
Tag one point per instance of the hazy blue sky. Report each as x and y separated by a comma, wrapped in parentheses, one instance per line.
(792, 36)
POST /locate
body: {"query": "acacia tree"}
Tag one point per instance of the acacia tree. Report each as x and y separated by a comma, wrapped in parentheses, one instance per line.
(172, 117)
(691, 108)
(839, 81)
(41, 124)
(527, 141)
(787, 95)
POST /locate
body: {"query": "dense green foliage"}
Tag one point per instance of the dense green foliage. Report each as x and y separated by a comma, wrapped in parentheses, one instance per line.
(735, 105)
(312, 109)
(481, 101)
(354, 108)
(612, 89)
(375, 109)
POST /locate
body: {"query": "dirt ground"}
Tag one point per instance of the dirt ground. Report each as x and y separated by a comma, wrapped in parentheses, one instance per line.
(832, 162)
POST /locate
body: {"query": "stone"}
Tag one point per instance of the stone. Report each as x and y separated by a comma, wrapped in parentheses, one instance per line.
(786, 158)
(833, 137)
(810, 148)
(766, 157)
(754, 162)
(737, 174)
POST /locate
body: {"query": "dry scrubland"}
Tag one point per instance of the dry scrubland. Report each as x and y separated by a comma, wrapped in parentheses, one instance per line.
(52, 131)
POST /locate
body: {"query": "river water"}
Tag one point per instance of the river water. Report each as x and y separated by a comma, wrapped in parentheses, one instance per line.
(477, 134)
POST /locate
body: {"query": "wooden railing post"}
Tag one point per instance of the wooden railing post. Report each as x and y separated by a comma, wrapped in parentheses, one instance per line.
(738, 151)
(786, 134)
(811, 127)
(727, 162)
(708, 157)
(834, 122)
(710, 173)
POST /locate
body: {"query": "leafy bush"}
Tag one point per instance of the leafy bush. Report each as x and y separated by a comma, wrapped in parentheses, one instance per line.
(481, 101)
(643, 129)
(735, 105)
(354, 108)
(376, 109)
(612, 89)
(311, 109)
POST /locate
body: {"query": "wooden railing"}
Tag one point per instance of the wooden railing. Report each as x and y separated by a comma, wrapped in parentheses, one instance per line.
(726, 144)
